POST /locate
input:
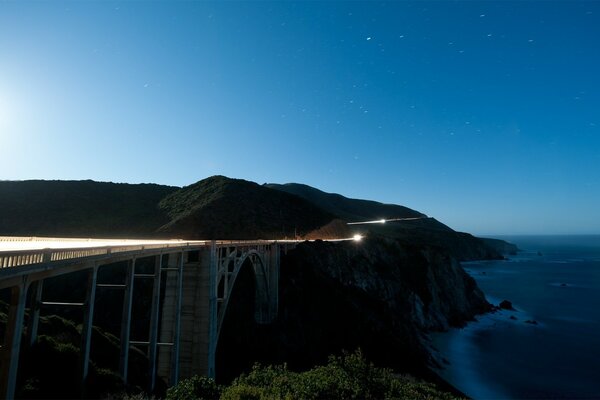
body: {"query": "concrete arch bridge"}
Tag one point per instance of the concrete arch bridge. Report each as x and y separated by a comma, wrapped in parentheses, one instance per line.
(196, 278)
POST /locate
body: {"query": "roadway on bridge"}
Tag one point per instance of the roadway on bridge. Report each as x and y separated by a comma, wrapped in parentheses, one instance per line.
(40, 243)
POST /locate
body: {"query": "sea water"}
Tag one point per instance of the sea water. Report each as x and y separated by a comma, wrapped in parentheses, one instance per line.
(554, 281)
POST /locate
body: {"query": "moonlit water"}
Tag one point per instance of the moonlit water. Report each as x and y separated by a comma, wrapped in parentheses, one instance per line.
(554, 281)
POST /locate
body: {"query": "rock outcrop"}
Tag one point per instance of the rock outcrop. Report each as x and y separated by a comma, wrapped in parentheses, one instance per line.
(501, 246)
(506, 305)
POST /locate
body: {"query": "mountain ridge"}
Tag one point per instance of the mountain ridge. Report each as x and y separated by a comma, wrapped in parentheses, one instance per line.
(216, 207)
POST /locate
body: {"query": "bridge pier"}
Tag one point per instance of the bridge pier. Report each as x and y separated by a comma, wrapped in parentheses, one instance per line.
(12, 340)
(88, 319)
(168, 352)
(208, 285)
(126, 320)
(198, 316)
(34, 316)
(274, 262)
(154, 319)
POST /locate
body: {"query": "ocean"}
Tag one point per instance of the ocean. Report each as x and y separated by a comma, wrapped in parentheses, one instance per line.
(554, 281)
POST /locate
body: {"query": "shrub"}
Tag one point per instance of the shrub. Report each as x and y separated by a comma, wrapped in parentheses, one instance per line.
(197, 387)
(347, 377)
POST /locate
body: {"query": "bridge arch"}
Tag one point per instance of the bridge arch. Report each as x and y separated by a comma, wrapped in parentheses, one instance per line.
(228, 272)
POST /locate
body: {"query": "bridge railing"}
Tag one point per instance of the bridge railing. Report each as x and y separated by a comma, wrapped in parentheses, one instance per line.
(18, 257)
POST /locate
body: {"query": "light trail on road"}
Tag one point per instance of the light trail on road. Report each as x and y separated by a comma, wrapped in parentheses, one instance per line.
(40, 243)
(8, 244)
(383, 221)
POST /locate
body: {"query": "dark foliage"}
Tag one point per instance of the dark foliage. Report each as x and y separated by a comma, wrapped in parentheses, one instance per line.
(223, 208)
(80, 208)
(347, 377)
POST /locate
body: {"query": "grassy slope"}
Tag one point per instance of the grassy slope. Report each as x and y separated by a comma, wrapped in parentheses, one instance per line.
(424, 232)
(345, 208)
(80, 208)
(223, 208)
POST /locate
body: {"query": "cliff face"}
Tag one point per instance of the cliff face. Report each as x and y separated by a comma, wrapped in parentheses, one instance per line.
(379, 295)
(426, 286)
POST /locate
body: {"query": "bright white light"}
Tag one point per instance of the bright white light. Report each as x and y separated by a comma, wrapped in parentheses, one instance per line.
(382, 221)
(357, 238)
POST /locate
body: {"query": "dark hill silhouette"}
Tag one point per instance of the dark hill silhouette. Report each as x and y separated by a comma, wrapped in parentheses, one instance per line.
(224, 208)
(425, 231)
(213, 208)
(80, 208)
(353, 210)
(345, 208)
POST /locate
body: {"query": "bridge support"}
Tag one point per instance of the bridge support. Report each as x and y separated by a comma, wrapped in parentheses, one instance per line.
(168, 352)
(154, 314)
(198, 323)
(208, 285)
(34, 317)
(274, 254)
(12, 340)
(88, 319)
(126, 320)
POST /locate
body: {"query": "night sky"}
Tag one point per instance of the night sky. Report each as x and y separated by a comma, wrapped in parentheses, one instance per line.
(485, 115)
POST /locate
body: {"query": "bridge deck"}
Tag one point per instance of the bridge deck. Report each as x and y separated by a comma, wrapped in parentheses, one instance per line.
(9, 243)
(22, 251)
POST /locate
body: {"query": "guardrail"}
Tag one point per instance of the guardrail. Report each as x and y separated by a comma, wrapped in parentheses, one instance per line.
(15, 258)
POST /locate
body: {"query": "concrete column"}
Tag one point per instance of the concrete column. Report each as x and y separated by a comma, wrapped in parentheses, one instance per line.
(12, 341)
(212, 309)
(168, 318)
(154, 314)
(177, 327)
(88, 319)
(34, 317)
(274, 267)
(126, 320)
(198, 333)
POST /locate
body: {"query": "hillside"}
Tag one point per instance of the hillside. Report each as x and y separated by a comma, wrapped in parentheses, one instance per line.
(224, 208)
(345, 208)
(80, 208)
(425, 231)
(216, 208)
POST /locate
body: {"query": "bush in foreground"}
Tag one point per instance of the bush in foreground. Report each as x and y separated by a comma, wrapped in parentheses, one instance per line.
(347, 377)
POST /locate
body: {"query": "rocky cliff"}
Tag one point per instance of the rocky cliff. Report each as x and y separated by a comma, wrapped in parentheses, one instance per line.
(380, 294)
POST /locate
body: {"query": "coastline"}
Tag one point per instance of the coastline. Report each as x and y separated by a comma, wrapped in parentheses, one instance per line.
(554, 282)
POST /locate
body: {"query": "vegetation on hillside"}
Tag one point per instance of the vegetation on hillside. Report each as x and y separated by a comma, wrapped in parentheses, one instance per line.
(345, 377)
(80, 208)
(224, 208)
(423, 232)
(345, 208)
